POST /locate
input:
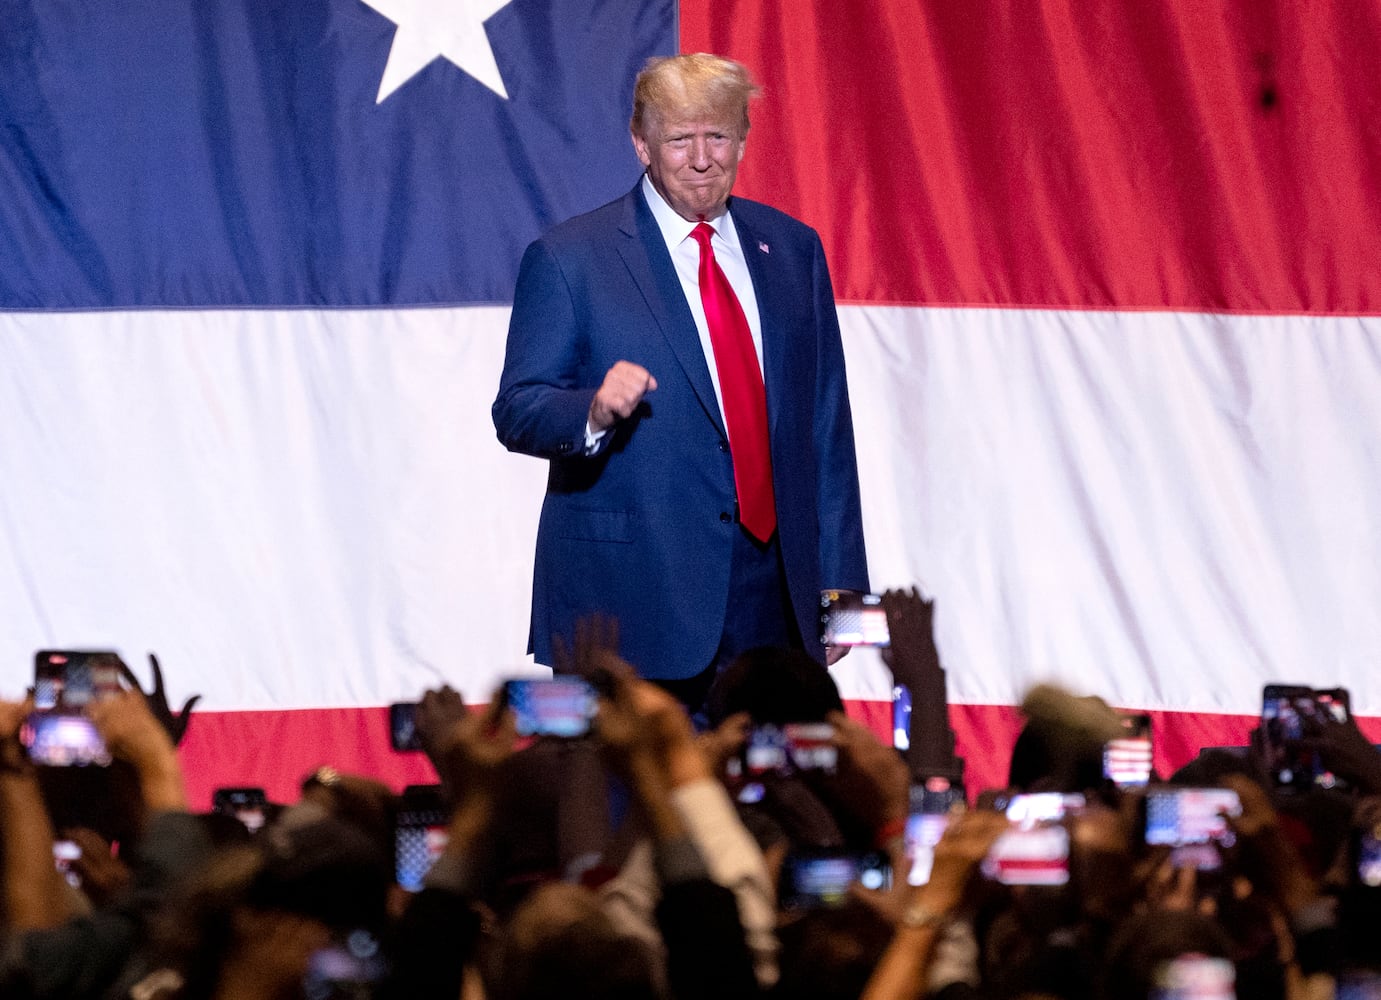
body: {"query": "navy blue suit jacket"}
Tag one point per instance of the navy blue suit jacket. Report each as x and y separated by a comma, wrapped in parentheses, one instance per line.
(642, 530)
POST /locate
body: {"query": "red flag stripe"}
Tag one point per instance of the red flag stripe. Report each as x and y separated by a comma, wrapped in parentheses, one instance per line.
(1195, 156)
(277, 749)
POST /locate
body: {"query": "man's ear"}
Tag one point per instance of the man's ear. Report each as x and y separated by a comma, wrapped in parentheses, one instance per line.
(640, 147)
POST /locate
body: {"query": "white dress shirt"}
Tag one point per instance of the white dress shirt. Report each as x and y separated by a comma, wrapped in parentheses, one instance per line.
(685, 255)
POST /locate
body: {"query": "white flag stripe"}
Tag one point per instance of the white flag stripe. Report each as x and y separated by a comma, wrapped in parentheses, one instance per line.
(1167, 509)
(304, 508)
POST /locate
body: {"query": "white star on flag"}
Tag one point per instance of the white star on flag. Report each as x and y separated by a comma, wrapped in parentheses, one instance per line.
(430, 28)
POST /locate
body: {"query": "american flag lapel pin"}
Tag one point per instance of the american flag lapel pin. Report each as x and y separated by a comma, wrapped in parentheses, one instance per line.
(764, 247)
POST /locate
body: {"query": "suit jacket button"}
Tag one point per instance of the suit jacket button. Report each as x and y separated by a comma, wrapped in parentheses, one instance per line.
(564, 447)
(725, 517)
(724, 446)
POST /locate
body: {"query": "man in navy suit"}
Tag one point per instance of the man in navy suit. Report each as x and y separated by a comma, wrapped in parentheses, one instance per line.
(703, 501)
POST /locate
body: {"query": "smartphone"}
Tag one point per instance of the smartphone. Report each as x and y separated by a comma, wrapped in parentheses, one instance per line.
(1335, 703)
(789, 749)
(558, 706)
(1035, 851)
(933, 801)
(1358, 984)
(1290, 712)
(1127, 760)
(822, 878)
(64, 853)
(248, 805)
(350, 967)
(402, 727)
(58, 733)
(1192, 822)
(901, 717)
(420, 834)
(1195, 977)
(848, 618)
(1366, 855)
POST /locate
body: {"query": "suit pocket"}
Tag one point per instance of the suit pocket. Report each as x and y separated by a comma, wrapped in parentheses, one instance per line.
(597, 526)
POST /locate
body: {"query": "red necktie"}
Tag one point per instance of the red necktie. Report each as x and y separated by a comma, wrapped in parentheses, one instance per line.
(741, 389)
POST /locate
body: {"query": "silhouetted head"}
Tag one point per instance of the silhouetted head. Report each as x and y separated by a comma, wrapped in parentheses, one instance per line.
(775, 685)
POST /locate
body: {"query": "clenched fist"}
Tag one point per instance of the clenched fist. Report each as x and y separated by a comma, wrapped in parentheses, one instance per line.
(623, 389)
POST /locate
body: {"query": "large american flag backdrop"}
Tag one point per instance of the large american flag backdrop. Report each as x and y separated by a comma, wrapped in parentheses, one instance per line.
(1108, 280)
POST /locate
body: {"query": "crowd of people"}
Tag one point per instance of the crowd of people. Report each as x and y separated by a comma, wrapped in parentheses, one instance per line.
(649, 859)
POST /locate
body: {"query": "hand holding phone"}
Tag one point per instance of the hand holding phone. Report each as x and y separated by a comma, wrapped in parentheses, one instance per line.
(822, 878)
(58, 733)
(933, 802)
(247, 804)
(402, 727)
(789, 749)
(1293, 717)
(1192, 822)
(1035, 851)
(420, 834)
(848, 618)
(561, 706)
(1128, 759)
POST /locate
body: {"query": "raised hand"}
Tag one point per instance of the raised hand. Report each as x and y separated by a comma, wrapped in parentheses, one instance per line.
(725, 741)
(472, 749)
(174, 723)
(103, 876)
(131, 730)
(437, 713)
(1347, 752)
(594, 652)
(962, 847)
(872, 781)
(910, 622)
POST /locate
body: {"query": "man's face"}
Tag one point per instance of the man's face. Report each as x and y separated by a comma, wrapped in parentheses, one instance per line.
(692, 163)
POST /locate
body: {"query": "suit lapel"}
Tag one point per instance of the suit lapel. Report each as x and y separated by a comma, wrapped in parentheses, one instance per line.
(769, 291)
(644, 252)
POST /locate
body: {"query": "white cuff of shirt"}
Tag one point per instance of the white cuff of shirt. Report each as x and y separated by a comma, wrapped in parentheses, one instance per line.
(593, 438)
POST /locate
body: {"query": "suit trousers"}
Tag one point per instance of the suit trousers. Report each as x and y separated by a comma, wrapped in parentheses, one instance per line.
(758, 613)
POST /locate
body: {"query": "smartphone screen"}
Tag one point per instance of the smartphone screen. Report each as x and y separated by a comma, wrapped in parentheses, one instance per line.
(248, 805)
(901, 717)
(348, 968)
(402, 727)
(1282, 727)
(788, 749)
(58, 733)
(932, 803)
(1035, 851)
(420, 834)
(822, 878)
(1366, 851)
(1290, 712)
(1335, 703)
(1127, 760)
(64, 853)
(1195, 977)
(1192, 822)
(1358, 984)
(558, 706)
(848, 618)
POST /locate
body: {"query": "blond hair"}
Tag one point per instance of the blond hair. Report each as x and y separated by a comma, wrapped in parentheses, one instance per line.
(691, 86)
